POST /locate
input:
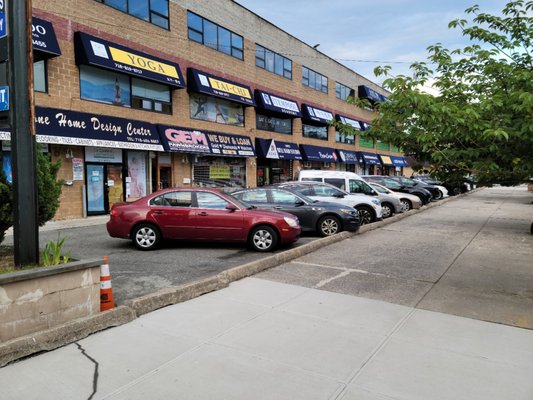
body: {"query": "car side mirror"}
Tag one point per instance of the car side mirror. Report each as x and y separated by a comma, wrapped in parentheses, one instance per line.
(231, 207)
(299, 203)
(374, 193)
(339, 195)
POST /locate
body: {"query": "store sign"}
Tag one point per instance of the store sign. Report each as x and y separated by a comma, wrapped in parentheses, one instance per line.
(386, 160)
(103, 154)
(272, 103)
(399, 161)
(203, 82)
(317, 153)
(44, 37)
(205, 142)
(355, 124)
(369, 158)
(276, 150)
(84, 129)
(314, 114)
(348, 157)
(364, 92)
(219, 172)
(94, 51)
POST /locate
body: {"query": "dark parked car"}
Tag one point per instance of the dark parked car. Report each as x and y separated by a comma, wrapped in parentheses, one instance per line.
(408, 182)
(316, 216)
(393, 184)
(200, 214)
(453, 188)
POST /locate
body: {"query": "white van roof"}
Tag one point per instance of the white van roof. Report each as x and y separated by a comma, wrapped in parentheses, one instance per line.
(317, 173)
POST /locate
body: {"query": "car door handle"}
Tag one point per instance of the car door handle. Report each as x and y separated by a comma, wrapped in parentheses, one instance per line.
(203, 214)
(158, 212)
(277, 207)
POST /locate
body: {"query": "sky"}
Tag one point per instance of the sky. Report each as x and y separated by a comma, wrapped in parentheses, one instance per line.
(364, 34)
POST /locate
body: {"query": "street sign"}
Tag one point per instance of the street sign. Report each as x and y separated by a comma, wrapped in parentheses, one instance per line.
(4, 98)
(3, 22)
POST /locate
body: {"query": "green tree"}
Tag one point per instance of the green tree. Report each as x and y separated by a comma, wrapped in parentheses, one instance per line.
(481, 121)
(48, 193)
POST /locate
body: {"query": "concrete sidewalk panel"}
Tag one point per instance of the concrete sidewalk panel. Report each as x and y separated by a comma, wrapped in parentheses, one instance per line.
(215, 372)
(301, 274)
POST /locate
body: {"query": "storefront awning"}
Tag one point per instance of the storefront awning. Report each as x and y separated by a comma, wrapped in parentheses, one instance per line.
(186, 140)
(277, 150)
(369, 158)
(316, 115)
(354, 123)
(348, 157)
(84, 129)
(318, 153)
(364, 92)
(399, 161)
(44, 39)
(386, 160)
(277, 104)
(97, 52)
(205, 83)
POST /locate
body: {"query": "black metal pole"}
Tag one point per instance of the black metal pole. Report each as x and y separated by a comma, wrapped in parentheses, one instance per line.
(20, 73)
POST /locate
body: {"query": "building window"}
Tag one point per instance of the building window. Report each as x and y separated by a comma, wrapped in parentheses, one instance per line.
(273, 62)
(274, 124)
(121, 90)
(154, 11)
(343, 92)
(212, 109)
(214, 36)
(383, 146)
(314, 80)
(315, 132)
(363, 142)
(343, 138)
(39, 76)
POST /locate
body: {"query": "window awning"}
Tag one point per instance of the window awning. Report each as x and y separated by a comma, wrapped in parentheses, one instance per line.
(354, 123)
(84, 129)
(205, 83)
(44, 39)
(318, 153)
(386, 160)
(277, 104)
(316, 115)
(369, 158)
(348, 157)
(277, 150)
(399, 161)
(186, 140)
(97, 52)
(364, 92)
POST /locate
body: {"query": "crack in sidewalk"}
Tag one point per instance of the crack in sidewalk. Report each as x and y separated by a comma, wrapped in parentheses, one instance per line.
(95, 375)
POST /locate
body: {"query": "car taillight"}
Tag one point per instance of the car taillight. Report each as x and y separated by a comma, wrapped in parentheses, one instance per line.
(114, 212)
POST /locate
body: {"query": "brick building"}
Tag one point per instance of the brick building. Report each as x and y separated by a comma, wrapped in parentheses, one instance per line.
(138, 95)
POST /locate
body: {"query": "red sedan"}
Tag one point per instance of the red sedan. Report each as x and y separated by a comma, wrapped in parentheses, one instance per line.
(200, 214)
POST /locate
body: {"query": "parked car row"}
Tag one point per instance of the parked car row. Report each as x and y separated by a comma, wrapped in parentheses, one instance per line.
(322, 202)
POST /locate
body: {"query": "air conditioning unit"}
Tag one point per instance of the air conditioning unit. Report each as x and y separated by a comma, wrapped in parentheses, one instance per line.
(327, 165)
(307, 164)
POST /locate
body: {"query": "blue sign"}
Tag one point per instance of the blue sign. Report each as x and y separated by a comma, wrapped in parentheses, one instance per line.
(4, 98)
(399, 161)
(318, 153)
(3, 27)
(206, 83)
(369, 158)
(348, 157)
(84, 129)
(277, 150)
(277, 104)
(44, 37)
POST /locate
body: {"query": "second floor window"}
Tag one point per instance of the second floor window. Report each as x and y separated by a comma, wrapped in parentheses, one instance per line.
(154, 11)
(314, 80)
(214, 36)
(273, 62)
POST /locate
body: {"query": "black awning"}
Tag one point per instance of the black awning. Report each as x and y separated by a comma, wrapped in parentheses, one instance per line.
(98, 52)
(354, 123)
(348, 157)
(277, 150)
(316, 115)
(44, 39)
(205, 83)
(364, 92)
(369, 158)
(185, 140)
(318, 153)
(277, 104)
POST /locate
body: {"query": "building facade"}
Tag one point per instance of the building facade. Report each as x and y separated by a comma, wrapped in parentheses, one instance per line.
(136, 95)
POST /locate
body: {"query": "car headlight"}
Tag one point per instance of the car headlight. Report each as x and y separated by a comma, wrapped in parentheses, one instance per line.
(292, 222)
(347, 211)
(377, 202)
(317, 209)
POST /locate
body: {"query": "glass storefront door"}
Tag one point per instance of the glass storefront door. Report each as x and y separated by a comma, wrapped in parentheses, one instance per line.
(104, 187)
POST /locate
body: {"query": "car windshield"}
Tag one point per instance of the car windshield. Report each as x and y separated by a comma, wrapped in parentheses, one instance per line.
(241, 203)
(379, 189)
(409, 181)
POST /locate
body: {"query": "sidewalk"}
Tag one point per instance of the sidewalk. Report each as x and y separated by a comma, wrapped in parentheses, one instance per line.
(69, 223)
(333, 324)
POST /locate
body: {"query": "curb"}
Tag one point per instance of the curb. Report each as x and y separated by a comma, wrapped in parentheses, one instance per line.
(73, 331)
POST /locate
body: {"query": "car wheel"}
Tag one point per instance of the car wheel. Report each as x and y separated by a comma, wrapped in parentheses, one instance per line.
(439, 195)
(387, 210)
(366, 215)
(329, 225)
(456, 191)
(146, 237)
(406, 205)
(263, 238)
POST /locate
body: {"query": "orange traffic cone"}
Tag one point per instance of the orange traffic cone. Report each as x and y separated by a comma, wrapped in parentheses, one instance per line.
(106, 291)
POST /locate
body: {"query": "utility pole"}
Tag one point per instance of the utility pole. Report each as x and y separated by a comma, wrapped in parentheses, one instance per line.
(21, 118)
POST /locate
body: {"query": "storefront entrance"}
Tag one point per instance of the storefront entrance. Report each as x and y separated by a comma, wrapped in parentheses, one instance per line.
(104, 187)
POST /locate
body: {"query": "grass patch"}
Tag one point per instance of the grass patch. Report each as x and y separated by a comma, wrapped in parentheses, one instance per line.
(7, 261)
